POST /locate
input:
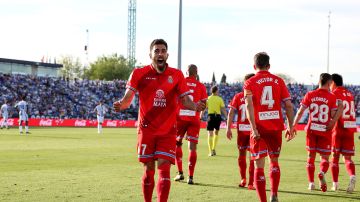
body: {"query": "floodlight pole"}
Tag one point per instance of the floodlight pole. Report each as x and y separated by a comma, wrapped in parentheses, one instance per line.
(180, 35)
(328, 48)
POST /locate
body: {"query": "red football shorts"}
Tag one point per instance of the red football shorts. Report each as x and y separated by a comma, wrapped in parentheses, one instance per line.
(268, 144)
(343, 143)
(243, 141)
(319, 144)
(190, 128)
(152, 147)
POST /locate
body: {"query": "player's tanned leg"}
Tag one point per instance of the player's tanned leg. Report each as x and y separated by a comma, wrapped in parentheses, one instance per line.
(163, 185)
(148, 181)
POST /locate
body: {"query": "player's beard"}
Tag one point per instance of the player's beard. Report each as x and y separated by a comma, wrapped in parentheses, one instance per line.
(160, 64)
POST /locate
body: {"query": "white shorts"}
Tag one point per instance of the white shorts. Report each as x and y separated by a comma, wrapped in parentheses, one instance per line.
(5, 116)
(100, 119)
(23, 117)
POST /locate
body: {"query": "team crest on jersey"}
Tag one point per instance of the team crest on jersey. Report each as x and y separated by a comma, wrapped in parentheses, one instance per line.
(170, 79)
(159, 100)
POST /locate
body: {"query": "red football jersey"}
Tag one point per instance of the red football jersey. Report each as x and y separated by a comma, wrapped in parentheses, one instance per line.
(238, 103)
(158, 97)
(267, 91)
(320, 103)
(197, 92)
(347, 120)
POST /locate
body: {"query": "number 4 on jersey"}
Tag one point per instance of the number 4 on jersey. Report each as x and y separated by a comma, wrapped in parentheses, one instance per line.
(267, 97)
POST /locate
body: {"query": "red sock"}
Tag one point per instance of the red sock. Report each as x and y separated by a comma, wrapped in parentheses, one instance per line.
(192, 162)
(350, 167)
(163, 185)
(179, 155)
(148, 184)
(310, 167)
(324, 165)
(274, 177)
(242, 166)
(251, 172)
(260, 184)
(335, 169)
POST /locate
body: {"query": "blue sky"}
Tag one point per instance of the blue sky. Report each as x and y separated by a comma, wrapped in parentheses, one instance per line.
(218, 36)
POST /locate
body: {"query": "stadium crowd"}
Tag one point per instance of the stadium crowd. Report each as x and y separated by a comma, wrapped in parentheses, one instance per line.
(50, 97)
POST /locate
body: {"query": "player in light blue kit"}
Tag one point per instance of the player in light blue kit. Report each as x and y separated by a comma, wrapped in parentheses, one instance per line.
(100, 113)
(5, 115)
(23, 116)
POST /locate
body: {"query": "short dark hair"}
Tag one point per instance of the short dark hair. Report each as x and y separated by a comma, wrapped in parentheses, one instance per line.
(158, 42)
(338, 80)
(214, 89)
(261, 60)
(248, 76)
(192, 69)
(324, 78)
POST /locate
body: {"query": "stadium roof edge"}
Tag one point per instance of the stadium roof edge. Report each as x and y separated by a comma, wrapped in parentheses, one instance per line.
(25, 62)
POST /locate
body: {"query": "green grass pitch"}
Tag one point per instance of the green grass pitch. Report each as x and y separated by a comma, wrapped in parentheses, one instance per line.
(77, 164)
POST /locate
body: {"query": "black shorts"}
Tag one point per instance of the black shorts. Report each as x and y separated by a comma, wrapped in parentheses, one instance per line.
(213, 122)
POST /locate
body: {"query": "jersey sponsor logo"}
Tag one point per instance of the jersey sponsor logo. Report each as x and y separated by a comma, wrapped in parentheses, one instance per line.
(170, 79)
(186, 112)
(111, 123)
(318, 127)
(269, 115)
(191, 84)
(45, 122)
(244, 127)
(80, 123)
(349, 124)
(159, 100)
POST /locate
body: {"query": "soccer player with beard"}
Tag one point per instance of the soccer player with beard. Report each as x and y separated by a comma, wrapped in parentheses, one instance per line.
(264, 94)
(188, 122)
(160, 88)
(323, 115)
(243, 135)
(343, 134)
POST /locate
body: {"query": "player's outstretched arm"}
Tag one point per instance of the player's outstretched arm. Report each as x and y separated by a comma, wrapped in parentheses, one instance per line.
(290, 131)
(251, 117)
(125, 102)
(230, 119)
(188, 103)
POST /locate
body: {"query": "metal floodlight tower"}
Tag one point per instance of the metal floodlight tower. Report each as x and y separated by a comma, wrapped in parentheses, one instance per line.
(131, 32)
(328, 46)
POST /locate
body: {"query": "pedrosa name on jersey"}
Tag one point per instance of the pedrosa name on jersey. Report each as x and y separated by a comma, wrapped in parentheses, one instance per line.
(320, 99)
(269, 115)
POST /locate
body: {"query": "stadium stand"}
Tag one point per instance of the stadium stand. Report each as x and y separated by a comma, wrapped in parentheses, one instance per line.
(56, 97)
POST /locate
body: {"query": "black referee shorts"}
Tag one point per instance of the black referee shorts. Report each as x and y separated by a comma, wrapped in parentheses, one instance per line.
(213, 122)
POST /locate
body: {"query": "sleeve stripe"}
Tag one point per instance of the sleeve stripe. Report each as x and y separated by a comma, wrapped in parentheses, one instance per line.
(131, 88)
(285, 99)
(186, 93)
(230, 106)
(304, 105)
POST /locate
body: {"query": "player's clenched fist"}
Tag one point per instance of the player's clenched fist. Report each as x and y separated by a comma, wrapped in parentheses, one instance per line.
(117, 106)
(200, 106)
